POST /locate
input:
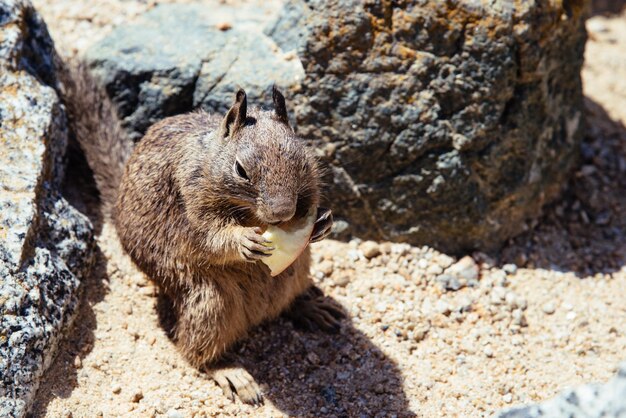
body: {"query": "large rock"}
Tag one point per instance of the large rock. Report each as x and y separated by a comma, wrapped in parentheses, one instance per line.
(45, 244)
(176, 59)
(443, 123)
(586, 401)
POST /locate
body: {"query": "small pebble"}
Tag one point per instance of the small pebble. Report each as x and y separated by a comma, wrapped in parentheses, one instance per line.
(116, 388)
(464, 304)
(597, 26)
(370, 249)
(173, 413)
(511, 299)
(420, 333)
(434, 269)
(442, 307)
(137, 396)
(342, 281)
(498, 294)
(508, 398)
(548, 308)
(518, 318)
(326, 267)
(466, 268)
(488, 352)
(444, 260)
(449, 282)
(353, 255)
(224, 26)
(498, 277)
(509, 268)
(385, 247)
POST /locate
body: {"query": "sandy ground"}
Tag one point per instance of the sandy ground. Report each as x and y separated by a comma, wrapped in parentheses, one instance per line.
(545, 314)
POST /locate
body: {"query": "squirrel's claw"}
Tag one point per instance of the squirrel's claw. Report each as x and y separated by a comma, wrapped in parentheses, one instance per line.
(254, 246)
(237, 380)
(323, 224)
(253, 256)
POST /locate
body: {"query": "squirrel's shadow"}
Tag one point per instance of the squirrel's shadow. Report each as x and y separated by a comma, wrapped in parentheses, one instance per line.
(315, 373)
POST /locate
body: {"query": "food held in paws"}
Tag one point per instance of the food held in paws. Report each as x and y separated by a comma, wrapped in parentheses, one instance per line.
(288, 242)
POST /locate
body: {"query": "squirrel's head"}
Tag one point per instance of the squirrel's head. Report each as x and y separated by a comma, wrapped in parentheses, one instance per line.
(267, 167)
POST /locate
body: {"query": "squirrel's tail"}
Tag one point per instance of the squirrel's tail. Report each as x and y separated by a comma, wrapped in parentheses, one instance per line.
(97, 129)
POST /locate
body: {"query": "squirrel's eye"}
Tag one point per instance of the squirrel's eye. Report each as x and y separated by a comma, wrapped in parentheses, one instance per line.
(240, 170)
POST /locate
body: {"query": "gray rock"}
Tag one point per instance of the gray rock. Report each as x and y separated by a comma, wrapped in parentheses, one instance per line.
(444, 123)
(175, 59)
(586, 401)
(45, 244)
(290, 29)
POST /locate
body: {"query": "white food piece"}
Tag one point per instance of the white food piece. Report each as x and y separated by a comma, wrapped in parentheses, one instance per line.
(288, 243)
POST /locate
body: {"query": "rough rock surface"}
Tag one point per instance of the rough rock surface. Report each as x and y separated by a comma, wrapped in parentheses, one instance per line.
(444, 123)
(45, 244)
(586, 401)
(180, 57)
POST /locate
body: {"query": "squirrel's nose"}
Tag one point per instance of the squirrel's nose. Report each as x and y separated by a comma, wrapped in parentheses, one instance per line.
(279, 210)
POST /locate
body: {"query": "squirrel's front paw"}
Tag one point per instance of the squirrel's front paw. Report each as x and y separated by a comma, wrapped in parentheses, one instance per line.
(252, 245)
(322, 225)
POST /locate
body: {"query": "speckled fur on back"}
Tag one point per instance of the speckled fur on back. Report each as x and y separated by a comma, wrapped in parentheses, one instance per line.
(192, 190)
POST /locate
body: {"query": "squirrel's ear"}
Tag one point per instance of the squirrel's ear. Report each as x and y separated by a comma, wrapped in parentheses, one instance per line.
(280, 110)
(236, 116)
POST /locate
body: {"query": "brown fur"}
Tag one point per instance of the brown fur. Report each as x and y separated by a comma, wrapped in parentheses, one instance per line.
(98, 130)
(182, 214)
(188, 208)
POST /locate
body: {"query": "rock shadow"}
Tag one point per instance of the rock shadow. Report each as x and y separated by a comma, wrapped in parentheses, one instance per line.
(61, 378)
(307, 374)
(585, 231)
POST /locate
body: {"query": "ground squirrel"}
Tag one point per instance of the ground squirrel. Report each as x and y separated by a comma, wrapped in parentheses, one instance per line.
(189, 203)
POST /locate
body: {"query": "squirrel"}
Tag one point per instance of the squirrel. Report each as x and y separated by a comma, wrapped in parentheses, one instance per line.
(189, 203)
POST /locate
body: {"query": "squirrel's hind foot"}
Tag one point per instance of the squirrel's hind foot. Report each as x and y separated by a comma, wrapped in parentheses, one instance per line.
(310, 311)
(234, 379)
